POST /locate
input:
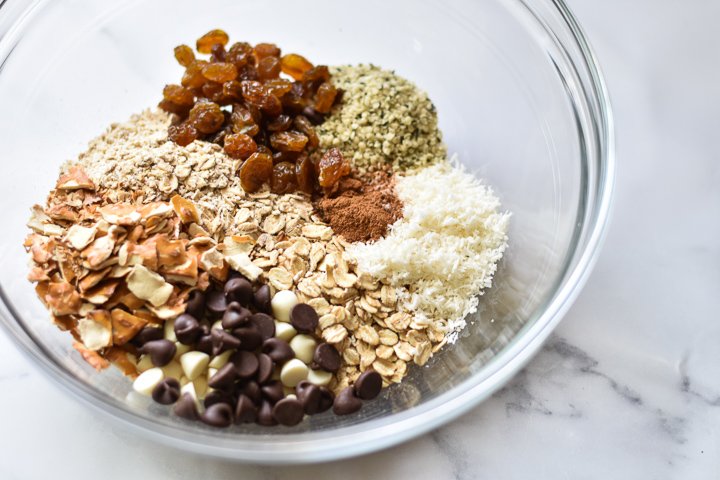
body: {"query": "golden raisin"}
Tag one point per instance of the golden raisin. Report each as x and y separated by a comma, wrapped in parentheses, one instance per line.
(219, 72)
(193, 77)
(239, 54)
(217, 53)
(268, 68)
(213, 91)
(207, 117)
(277, 87)
(239, 145)
(305, 173)
(303, 125)
(315, 74)
(263, 50)
(280, 123)
(184, 55)
(170, 107)
(255, 171)
(183, 134)
(243, 122)
(325, 97)
(332, 168)
(283, 179)
(252, 91)
(288, 141)
(178, 95)
(271, 106)
(295, 65)
(232, 91)
(205, 43)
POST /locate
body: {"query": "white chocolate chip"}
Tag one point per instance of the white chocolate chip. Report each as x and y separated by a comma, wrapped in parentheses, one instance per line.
(284, 331)
(211, 373)
(201, 386)
(180, 350)
(184, 381)
(293, 372)
(304, 347)
(189, 388)
(319, 377)
(194, 363)
(217, 324)
(173, 370)
(291, 395)
(282, 303)
(219, 361)
(147, 381)
(289, 391)
(169, 331)
(93, 334)
(148, 285)
(144, 363)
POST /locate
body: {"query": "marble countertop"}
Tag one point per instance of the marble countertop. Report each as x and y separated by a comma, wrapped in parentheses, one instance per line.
(629, 384)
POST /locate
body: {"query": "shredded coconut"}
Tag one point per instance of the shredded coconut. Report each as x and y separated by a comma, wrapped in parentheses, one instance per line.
(445, 249)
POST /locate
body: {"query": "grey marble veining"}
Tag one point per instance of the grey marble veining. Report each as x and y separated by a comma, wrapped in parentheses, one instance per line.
(629, 385)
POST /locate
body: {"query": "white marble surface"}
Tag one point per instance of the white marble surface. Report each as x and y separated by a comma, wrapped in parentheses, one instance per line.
(628, 387)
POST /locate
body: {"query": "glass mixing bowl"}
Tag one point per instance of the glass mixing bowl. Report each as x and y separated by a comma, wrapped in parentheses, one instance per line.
(520, 101)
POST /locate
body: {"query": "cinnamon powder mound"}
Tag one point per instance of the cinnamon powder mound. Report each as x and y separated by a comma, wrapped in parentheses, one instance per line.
(364, 207)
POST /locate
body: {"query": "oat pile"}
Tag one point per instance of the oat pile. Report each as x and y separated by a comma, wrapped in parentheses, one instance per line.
(384, 119)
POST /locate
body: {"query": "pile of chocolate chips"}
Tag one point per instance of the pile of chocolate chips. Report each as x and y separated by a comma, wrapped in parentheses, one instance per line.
(246, 388)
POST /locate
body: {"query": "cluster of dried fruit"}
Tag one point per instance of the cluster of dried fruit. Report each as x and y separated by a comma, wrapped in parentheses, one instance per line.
(107, 270)
(269, 122)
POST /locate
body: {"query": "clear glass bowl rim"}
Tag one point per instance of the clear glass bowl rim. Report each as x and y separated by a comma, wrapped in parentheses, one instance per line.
(380, 433)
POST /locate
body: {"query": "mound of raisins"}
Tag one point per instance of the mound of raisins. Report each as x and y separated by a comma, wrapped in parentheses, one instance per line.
(239, 98)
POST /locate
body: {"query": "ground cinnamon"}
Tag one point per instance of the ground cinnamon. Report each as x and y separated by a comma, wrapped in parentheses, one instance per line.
(363, 208)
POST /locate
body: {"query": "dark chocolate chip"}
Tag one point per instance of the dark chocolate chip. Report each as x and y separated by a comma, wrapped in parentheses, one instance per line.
(278, 350)
(187, 329)
(288, 412)
(186, 407)
(218, 415)
(196, 304)
(205, 344)
(251, 389)
(250, 338)
(245, 363)
(327, 398)
(167, 391)
(346, 402)
(368, 385)
(224, 378)
(161, 351)
(327, 357)
(304, 318)
(265, 416)
(218, 396)
(273, 391)
(262, 298)
(245, 411)
(223, 341)
(265, 368)
(215, 302)
(309, 395)
(147, 334)
(264, 323)
(235, 316)
(239, 290)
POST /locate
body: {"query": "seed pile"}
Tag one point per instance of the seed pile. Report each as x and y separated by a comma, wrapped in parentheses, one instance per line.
(383, 120)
